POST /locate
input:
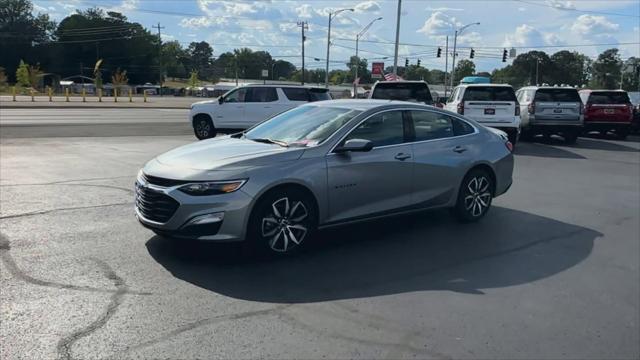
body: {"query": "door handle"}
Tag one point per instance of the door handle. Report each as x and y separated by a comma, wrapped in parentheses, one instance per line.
(402, 156)
(459, 149)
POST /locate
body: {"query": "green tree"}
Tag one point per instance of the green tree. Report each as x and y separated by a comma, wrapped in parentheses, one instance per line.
(606, 70)
(22, 74)
(21, 34)
(631, 69)
(570, 68)
(174, 59)
(119, 78)
(34, 75)
(415, 72)
(193, 80)
(464, 68)
(523, 69)
(436, 76)
(201, 58)
(363, 73)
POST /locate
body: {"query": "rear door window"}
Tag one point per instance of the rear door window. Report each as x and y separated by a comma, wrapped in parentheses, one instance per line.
(319, 94)
(262, 94)
(557, 95)
(418, 92)
(430, 125)
(609, 97)
(296, 94)
(489, 93)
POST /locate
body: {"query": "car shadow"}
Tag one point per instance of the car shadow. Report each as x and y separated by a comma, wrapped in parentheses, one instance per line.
(543, 150)
(426, 251)
(599, 144)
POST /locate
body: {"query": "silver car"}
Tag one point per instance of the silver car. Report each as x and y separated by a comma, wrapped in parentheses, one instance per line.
(320, 165)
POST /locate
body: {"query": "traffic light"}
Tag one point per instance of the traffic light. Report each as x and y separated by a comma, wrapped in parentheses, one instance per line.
(406, 62)
(472, 54)
(439, 54)
(418, 62)
(504, 55)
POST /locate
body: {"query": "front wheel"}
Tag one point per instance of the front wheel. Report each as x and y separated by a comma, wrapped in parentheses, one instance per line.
(475, 196)
(203, 127)
(282, 222)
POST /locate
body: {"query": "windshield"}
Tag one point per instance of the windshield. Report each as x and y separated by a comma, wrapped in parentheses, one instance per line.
(303, 126)
(489, 93)
(402, 91)
(609, 97)
(557, 95)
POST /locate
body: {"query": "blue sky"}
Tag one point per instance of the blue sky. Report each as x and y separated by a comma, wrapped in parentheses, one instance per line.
(271, 25)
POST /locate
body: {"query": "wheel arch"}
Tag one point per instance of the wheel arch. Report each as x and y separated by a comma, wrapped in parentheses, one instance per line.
(489, 169)
(201, 115)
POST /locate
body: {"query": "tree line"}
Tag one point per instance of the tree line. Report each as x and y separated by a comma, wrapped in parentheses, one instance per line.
(100, 45)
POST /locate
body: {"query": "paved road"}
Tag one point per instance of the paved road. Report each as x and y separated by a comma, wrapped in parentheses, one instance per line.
(551, 272)
(21, 123)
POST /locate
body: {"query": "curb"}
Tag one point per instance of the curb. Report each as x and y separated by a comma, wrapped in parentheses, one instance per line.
(89, 107)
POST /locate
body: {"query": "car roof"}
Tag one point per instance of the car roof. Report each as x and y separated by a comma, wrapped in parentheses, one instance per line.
(485, 85)
(547, 87)
(363, 104)
(282, 85)
(604, 90)
(401, 82)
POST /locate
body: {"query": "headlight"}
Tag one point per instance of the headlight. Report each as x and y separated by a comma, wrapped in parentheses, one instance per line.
(212, 188)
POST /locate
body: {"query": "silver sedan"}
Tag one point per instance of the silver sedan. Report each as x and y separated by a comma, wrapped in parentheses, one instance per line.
(320, 165)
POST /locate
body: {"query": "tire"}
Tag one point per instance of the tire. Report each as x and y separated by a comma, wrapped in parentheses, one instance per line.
(526, 135)
(622, 133)
(203, 127)
(570, 137)
(281, 223)
(475, 196)
(513, 137)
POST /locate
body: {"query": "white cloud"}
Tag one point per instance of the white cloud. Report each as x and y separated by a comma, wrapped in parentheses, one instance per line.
(559, 4)
(202, 22)
(167, 37)
(259, 25)
(124, 6)
(39, 8)
(522, 9)
(593, 25)
(439, 23)
(526, 35)
(367, 6)
(304, 11)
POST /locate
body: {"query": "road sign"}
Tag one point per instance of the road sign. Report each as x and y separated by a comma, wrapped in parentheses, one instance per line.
(377, 70)
(265, 73)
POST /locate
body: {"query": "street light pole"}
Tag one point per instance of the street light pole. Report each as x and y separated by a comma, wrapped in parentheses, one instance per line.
(395, 53)
(331, 15)
(364, 30)
(455, 40)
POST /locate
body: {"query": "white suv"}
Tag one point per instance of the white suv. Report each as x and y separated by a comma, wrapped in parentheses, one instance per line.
(493, 105)
(248, 105)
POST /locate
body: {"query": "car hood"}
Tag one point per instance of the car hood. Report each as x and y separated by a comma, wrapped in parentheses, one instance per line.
(226, 153)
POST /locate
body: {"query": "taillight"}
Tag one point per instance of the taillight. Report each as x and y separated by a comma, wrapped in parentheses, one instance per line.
(509, 146)
(532, 108)
(461, 108)
(517, 109)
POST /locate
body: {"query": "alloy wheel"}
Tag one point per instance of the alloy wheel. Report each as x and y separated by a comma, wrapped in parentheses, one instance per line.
(285, 226)
(478, 196)
(203, 129)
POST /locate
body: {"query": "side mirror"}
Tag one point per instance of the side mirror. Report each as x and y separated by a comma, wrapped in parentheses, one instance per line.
(358, 145)
(220, 100)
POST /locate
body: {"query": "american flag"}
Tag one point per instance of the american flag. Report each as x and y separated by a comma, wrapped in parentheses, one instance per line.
(392, 77)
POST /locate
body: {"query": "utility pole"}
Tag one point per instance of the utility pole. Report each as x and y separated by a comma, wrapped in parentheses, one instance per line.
(446, 64)
(303, 25)
(455, 40)
(159, 55)
(395, 56)
(537, 64)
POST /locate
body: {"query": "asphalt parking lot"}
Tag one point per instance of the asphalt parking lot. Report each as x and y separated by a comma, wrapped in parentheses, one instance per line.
(552, 272)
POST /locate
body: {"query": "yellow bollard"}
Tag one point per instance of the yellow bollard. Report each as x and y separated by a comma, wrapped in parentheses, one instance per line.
(66, 94)
(130, 97)
(99, 95)
(115, 94)
(144, 92)
(32, 98)
(50, 94)
(14, 93)
(84, 94)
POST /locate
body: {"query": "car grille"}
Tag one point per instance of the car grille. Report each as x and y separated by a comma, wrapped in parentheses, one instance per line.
(154, 205)
(153, 180)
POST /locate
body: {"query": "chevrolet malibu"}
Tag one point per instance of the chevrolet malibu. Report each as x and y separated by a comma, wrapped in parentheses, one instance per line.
(320, 165)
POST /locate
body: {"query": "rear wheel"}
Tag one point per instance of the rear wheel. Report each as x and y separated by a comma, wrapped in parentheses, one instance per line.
(475, 196)
(282, 222)
(570, 137)
(622, 133)
(203, 127)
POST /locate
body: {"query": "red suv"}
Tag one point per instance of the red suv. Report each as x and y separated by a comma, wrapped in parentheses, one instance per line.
(606, 110)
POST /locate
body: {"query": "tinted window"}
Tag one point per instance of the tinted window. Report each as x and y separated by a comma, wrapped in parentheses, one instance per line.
(319, 95)
(418, 92)
(431, 125)
(489, 93)
(557, 95)
(238, 95)
(382, 129)
(609, 97)
(263, 94)
(296, 94)
(461, 127)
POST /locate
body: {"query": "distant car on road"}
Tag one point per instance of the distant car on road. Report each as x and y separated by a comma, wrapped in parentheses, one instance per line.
(248, 105)
(320, 165)
(493, 105)
(414, 91)
(607, 110)
(551, 110)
